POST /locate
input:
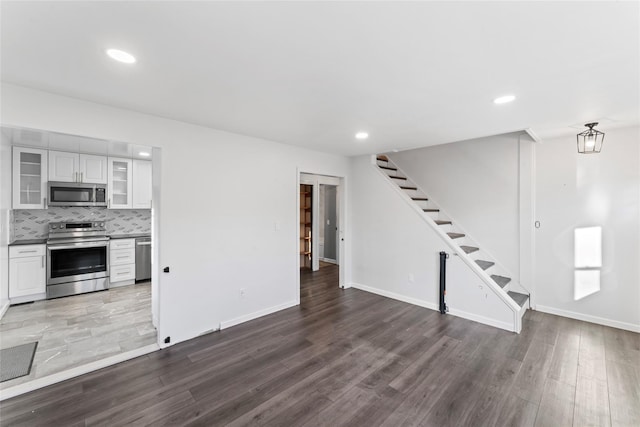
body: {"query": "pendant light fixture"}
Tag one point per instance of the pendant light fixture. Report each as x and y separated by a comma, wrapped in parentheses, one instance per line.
(590, 141)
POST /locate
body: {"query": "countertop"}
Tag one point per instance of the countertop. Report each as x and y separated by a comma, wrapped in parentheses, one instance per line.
(28, 242)
(129, 236)
(43, 241)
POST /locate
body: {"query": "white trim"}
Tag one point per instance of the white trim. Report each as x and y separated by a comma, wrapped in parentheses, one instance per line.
(122, 283)
(588, 318)
(27, 299)
(256, 314)
(329, 260)
(75, 372)
(533, 135)
(4, 309)
(393, 295)
(481, 319)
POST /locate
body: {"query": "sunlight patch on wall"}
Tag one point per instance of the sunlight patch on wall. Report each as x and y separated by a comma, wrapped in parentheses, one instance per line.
(588, 247)
(585, 283)
(588, 261)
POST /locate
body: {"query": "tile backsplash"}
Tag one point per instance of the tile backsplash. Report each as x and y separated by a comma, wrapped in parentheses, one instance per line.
(33, 223)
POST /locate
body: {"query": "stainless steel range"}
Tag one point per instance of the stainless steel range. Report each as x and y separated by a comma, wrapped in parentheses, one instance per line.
(77, 258)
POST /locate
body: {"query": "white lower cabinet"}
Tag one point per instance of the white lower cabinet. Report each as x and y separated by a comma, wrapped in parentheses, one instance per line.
(27, 273)
(122, 262)
(120, 273)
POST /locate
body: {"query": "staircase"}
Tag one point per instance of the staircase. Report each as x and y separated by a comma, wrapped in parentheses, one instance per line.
(488, 269)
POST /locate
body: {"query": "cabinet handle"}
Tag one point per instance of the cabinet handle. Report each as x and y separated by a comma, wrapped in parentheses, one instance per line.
(42, 261)
(120, 257)
(27, 252)
(81, 176)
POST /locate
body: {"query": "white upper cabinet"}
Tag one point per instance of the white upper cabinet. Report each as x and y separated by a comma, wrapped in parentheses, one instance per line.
(64, 166)
(29, 178)
(93, 169)
(73, 167)
(141, 184)
(119, 187)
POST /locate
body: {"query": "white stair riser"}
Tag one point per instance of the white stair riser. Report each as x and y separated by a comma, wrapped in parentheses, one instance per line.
(432, 215)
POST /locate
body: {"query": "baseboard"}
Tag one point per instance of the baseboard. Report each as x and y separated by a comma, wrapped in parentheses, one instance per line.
(256, 314)
(588, 318)
(121, 284)
(4, 309)
(481, 319)
(393, 295)
(75, 372)
(330, 261)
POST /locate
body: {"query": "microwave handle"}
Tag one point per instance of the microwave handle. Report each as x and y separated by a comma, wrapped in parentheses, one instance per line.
(93, 194)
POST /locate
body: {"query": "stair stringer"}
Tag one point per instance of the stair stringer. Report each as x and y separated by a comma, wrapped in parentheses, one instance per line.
(466, 259)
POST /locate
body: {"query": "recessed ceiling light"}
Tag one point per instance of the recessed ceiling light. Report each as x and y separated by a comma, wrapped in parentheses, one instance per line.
(504, 99)
(362, 135)
(121, 56)
(144, 154)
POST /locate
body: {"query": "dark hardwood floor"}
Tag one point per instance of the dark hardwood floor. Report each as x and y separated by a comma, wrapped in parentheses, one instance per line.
(347, 357)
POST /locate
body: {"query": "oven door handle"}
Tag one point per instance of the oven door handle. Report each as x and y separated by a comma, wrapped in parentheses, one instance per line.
(78, 245)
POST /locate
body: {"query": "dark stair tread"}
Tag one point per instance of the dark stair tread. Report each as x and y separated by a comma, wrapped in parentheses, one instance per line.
(389, 168)
(520, 299)
(469, 249)
(441, 222)
(484, 264)
(420, 199)
(408, 188)
(455, 235)
(500, 280)
(431, 210)
(398, 177)
(383, 158)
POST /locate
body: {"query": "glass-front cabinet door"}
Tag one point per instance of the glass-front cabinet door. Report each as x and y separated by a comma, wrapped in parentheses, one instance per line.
(119, 185)
(29, 178)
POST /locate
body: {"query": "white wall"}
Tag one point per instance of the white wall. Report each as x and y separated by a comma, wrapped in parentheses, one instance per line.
(227, 210)
(390, 241)
(5, 206)
(576, 190)
(476, 183)
(395, 253)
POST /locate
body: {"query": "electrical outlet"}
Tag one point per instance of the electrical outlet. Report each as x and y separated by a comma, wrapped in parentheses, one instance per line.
(242, 291)
(411, 278)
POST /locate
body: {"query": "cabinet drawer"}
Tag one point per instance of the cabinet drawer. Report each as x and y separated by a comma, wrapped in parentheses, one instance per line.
(26, 250)
(122, 243)
(120, 273)
(122, 256)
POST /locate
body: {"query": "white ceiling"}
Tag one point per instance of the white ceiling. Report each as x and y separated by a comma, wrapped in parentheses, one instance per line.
(312, 74)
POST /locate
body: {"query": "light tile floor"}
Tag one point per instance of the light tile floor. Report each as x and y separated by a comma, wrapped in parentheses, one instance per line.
(76, 330)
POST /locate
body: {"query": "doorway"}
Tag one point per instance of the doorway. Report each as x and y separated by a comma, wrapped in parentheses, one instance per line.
(320, 236)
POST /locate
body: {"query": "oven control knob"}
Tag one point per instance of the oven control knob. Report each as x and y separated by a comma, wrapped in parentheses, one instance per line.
(102, 224)
(54, 226)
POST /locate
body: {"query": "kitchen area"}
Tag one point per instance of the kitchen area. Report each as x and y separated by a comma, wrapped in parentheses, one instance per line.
(79, 252)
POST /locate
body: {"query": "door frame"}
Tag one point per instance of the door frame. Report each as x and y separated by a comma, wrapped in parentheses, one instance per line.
(315, 180)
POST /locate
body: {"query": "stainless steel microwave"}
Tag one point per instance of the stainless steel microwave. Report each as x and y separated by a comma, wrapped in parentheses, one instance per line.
(76, 194)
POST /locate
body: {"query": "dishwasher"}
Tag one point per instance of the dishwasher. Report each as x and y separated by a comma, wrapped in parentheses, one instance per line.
(143, 258)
